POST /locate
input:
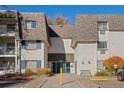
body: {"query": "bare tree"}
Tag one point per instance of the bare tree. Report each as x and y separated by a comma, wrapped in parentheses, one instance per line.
(60, 20)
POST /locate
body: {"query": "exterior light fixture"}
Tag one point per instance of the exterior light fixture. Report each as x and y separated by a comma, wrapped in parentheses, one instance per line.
(89, 62)
(82, 62)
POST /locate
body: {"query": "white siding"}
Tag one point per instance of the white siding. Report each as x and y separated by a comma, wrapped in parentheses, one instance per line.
(116, 43)
(104, 37)
(72, 68)
(85, 52)
(37, 54)
(45, 56)
(59, 45)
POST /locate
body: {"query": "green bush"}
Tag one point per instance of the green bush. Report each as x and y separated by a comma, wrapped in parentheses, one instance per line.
(103, 73)
(10, 74)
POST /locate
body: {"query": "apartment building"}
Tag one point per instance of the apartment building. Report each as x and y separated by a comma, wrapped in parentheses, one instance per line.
(95, 38)
(27, 41)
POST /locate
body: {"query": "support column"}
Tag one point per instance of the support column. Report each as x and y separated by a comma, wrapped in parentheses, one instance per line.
(16, 61)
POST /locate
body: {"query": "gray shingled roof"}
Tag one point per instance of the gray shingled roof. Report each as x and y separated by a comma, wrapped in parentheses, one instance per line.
(61, 31)
(85, 28)
(40, 33)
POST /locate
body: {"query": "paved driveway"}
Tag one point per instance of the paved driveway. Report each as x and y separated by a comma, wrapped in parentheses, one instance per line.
(110, 84)
(69, 81)
(75, 81)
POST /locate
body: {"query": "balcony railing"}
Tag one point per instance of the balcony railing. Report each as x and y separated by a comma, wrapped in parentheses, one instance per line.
(7, 51)
(7, 31)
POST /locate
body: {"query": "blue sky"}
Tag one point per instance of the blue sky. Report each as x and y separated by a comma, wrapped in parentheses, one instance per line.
(69, 11)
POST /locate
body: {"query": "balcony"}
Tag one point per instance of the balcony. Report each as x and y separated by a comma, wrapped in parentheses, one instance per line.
(7, 30)
(7, 51)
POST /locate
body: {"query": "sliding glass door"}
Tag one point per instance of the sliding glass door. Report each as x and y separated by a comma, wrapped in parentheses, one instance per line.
(65, 67)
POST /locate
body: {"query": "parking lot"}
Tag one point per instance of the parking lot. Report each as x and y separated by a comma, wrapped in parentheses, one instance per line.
(110, 84)
(69, 81)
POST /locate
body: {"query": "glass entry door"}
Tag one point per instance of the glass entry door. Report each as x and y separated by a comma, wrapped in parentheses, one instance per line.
(65, 67)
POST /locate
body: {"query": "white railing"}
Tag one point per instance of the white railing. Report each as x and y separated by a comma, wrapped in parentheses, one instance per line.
(7, 51)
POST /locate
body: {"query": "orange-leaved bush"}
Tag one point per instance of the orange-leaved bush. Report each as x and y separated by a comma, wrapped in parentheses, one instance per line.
(115, 60)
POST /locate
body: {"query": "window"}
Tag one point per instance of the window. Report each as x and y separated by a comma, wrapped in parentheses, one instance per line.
(10, 27)
(33, 64)
(11, 45)
(38, 63)
(31, 45)
(100, 64)
(23, 64)
(102, 44)
(33, 24)
(30, 24)
(23, 46)
(38, 44)
(102, 27)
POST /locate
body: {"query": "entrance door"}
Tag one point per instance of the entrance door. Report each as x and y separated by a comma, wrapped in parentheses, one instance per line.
(65, 67)
(58, 67)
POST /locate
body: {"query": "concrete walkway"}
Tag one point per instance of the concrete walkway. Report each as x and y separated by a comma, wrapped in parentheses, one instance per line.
(69, 81)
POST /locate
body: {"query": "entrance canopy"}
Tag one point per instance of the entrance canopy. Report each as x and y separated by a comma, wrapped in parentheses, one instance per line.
(58, 57)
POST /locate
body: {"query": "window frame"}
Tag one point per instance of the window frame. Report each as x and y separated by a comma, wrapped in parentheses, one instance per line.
(102, 23)
(38, 44)
(100, 64)
(30, 64)
(30, 21)
(99, 47)
(31, 42)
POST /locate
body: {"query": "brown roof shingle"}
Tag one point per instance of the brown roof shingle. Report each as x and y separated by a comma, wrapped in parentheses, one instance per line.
(61, 31)
(85, 28)
(40, 33)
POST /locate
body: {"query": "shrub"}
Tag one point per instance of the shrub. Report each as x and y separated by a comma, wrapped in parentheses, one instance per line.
(103, 73)
(39, 72)
(42, 71)
(46, 71)
(28, 72)
(10, 74)
(110, 62)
